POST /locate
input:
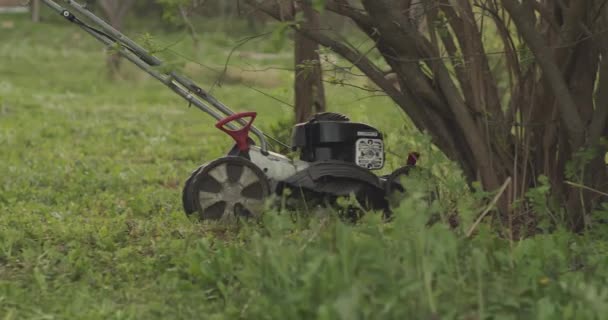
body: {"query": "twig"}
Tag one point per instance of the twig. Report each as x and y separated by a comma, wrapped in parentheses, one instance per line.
(490, 206)
(347, 84)
(240, 43)
(190, 26)
(270, 96)
(586, 188)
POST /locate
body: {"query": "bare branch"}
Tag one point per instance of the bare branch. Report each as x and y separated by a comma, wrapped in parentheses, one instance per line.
(568, 111)
(600, 116)
(353, 56)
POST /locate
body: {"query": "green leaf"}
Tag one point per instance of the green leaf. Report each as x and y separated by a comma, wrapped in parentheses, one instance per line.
(278, 35)
(318, 5)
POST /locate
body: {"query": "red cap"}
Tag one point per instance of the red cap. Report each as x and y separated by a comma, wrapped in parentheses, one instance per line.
(412, 158)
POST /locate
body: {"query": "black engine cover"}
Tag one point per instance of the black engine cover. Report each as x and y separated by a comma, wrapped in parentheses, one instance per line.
(333, 137)
(337, 179)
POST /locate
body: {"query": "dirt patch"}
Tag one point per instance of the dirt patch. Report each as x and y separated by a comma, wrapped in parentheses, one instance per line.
(8, 24)
(259, 78)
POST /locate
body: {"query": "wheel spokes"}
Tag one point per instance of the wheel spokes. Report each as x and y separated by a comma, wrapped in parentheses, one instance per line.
(209, 196)
(247, 178)
(214, 211)
(234, 172)
(254, 206)
(230, 189)
(228, 215)
(223, 205)
(219, 173)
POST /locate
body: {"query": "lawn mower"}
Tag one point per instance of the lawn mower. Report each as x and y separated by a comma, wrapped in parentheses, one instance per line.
(336, 156)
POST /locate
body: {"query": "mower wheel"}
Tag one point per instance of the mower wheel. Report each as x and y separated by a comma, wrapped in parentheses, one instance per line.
(227, 189)
(187, 193)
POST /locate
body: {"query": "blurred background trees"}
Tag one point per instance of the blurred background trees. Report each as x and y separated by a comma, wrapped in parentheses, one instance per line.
(35, 9)
(309, 91)
(115, 11)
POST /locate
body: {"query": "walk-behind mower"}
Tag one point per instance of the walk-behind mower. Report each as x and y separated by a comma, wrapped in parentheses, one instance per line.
(336, 156)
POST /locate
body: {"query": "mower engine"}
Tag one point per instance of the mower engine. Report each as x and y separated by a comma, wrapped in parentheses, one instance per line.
(331, 136)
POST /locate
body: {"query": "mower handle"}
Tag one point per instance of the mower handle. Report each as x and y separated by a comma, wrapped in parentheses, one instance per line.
(240, 136)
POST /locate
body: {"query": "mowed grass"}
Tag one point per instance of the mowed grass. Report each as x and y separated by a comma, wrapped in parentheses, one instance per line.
(91, 226)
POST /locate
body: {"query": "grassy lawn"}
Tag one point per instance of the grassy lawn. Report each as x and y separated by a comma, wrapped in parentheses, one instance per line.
(91, 226)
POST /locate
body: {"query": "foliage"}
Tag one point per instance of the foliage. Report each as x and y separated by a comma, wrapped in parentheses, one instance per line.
(281, 131)
(492, 85)
(91, 225)
(171, 10)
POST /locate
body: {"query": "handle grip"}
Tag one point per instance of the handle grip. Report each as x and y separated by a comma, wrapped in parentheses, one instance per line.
(240, 136)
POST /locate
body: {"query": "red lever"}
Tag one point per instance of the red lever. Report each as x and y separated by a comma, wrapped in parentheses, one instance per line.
(412, 158)
(241, 135)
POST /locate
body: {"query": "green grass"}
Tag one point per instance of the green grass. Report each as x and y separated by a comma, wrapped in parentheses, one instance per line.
(91, 224)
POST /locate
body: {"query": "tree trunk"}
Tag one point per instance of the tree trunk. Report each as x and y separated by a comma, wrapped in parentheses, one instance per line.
(115, 11)
(183, 11)
(309, 89)
(113, 59)
(35, 8)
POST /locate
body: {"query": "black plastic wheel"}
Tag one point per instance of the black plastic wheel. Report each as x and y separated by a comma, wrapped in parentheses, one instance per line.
(227, 189)
(187, 193)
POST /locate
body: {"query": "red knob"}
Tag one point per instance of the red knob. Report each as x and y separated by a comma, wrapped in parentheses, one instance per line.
(412, 158)
(240, 136)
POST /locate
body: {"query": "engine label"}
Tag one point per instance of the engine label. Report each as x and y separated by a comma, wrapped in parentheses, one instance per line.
(367, 134)
(370, 153)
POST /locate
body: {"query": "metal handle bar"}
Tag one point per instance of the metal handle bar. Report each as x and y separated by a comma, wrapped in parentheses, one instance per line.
(183, 86)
